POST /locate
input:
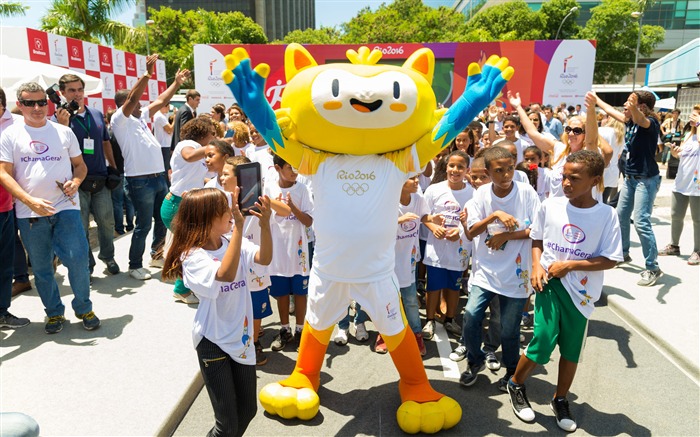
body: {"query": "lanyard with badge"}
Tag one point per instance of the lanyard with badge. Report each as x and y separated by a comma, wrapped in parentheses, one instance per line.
(88, 143)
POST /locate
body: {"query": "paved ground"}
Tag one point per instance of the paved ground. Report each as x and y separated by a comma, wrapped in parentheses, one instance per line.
(137, 375)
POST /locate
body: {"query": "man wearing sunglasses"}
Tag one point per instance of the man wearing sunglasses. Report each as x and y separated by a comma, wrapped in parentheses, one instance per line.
(642, 179)
(35, 167)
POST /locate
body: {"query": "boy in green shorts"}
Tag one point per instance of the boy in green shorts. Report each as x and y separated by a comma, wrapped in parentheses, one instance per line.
(575, 238)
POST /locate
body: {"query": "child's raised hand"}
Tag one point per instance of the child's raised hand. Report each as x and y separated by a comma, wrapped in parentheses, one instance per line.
(463, 216)
(238, 218)
(493, 112)
(263, 205)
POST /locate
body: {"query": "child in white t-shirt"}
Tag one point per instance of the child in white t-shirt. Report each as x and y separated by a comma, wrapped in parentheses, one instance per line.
(215, 155)
(532, 156)
(574, 238)
(214, 268)
(446, 251)
(290, 268)
(411, 208)
(498, 221)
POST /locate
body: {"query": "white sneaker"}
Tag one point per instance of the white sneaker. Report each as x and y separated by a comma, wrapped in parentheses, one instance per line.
(157, 263)
(429, 330)
(341, 338)
(188, 299)
(361, 332)
(492, 362)
(141, 274)
(459, 353)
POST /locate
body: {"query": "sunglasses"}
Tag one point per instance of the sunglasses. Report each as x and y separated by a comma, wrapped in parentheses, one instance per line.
(574, 131)
(31, 103)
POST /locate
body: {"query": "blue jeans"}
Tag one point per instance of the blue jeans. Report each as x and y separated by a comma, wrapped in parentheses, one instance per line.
(7, 255)
(637, 196)
(511, 312)
(360, 317)
(409, 298)
(147, 194)
(21, 271)
(63, 234)
(120, 201)
(100, 205)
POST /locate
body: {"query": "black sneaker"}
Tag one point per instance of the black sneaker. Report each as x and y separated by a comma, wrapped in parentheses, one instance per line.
(297, 340)
(560, 407)
(10, 321)
(112, 267)
(281, 340)
(518, 400)
(90, 320)
(626, 260)
(260, 357)
(468, 378)
(503, 382)
(54, 325)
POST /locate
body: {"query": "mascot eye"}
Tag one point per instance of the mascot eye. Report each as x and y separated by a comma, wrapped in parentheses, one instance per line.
(335, 88)
(397, 90)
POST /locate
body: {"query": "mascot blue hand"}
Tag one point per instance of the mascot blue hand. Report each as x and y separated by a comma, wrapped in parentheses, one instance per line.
(482, 88)
(248, 87)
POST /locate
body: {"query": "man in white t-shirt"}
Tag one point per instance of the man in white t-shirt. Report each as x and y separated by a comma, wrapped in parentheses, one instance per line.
(143, 165)
(163, 131)
(36, 156)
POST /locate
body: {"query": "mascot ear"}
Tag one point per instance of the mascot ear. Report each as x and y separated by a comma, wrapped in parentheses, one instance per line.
(422, 61)
(296, 59)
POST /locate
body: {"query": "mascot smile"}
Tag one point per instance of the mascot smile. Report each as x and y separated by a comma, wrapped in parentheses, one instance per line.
(359, 130)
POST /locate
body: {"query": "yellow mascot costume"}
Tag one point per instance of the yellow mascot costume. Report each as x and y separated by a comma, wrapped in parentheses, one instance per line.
(359, 130)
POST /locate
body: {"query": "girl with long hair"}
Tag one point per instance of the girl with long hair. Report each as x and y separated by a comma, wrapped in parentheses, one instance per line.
(215, 268)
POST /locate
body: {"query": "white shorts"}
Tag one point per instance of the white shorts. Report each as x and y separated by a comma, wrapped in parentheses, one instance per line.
(328, 303)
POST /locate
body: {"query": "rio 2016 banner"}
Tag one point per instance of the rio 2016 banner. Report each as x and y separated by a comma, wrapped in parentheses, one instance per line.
(549, 72)
(117, 69)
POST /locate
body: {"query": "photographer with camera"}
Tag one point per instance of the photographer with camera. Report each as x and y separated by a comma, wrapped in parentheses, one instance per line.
(89, 127)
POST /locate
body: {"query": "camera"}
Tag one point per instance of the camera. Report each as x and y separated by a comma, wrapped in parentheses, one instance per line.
(57, 99)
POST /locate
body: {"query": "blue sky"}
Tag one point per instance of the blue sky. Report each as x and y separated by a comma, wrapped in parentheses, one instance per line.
(328, 12)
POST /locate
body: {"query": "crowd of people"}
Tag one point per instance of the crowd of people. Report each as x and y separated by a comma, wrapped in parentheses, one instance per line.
(492, 217)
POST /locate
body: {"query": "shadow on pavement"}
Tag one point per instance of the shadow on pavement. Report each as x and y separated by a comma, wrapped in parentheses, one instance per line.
(608, 331)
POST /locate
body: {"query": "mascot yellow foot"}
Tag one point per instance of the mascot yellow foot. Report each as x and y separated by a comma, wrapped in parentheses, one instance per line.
(422, 408)
(296, 397)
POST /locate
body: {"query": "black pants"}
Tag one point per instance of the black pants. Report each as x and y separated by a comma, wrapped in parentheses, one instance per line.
(231, 387)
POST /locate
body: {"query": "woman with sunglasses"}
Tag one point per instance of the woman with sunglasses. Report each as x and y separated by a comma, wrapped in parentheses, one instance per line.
(581, 133)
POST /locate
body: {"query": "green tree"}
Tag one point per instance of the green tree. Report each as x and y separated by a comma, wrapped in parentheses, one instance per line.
(89, 20)
(553, 13)
(324, 35)
(511, 21)
(176, 47)
(402, 21)
(9, 9)
(616, 31)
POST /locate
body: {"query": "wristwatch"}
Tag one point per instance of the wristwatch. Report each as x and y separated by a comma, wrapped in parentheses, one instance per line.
(147, 74)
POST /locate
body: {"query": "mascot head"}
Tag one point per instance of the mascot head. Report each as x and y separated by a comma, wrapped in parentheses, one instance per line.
(362, 107)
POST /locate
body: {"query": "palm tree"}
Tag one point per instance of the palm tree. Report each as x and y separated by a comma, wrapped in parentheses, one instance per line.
(88, 20)
(8, 9)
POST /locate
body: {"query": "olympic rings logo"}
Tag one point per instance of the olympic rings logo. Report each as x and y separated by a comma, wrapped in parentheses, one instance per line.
(568, 81)
(355, 188)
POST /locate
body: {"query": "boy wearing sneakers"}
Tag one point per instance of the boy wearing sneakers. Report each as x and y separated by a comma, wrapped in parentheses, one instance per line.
(498, 221)
(574, 240)
(289, 269)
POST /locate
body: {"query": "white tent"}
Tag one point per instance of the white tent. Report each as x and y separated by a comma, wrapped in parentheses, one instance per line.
(14, 72)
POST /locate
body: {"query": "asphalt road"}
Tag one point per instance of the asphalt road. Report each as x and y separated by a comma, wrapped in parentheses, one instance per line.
(624, 385)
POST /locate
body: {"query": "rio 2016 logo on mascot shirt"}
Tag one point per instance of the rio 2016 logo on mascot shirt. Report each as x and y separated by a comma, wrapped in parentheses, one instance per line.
(361, 118)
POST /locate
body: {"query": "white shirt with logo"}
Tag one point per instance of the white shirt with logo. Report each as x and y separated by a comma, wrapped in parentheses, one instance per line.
(258, 277)
(446, 254)
(186, 175)
(688, 177)
(225, 312)
(504, 271)
(261, 154)
(356, 227)
(160, 120)
(141, 150)
(571, 233)
(290, 255)
(41, 157)
(407, 247)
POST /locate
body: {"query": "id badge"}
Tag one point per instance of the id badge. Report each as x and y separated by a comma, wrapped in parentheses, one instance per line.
(89, 146)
